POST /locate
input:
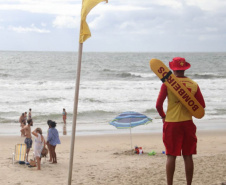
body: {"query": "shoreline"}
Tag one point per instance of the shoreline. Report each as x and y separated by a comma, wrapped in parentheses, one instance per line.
(106, 129)
(107, 159)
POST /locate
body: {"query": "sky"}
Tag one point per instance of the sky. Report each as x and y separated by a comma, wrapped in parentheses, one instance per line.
(116, 26)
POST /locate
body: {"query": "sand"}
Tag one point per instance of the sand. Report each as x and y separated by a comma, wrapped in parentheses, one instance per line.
(108, 160)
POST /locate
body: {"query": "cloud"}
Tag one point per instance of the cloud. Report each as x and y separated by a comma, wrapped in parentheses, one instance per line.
(66, 22)
(170, 3)
(1, 27)
(208, 5)
(54, 7)
(32, 28)
(43, 24)
(156, 25)
(73, 7)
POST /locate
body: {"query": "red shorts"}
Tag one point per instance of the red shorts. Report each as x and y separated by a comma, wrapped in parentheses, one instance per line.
(180, 137)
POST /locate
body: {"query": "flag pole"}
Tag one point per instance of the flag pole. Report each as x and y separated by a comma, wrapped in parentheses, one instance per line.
(87, 5)
(75, 113)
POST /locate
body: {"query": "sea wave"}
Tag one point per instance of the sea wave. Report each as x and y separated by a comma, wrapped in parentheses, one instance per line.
(148, 111)
(110, 83)
(50, 100)
(220, 111)
(96, 113)
(44, 117)
(108, 74)
(7, 121)
(127, 75)
(4, 75)
(92, 100)
(207, 76)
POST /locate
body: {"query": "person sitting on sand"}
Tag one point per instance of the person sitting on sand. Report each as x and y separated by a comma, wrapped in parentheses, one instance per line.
(28, 140)
(53, 140)
(39, 144)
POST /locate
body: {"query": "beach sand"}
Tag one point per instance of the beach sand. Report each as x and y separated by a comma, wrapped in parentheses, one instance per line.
(108, 160)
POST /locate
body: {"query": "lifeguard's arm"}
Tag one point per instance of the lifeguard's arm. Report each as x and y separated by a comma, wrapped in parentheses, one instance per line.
(200, 98)
(160, 100)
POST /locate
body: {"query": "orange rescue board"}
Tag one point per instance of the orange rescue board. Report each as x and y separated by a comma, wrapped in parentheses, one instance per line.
(178, 89)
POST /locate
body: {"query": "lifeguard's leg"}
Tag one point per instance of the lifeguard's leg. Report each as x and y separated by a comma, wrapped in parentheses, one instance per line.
(170, 168)
(189, 168)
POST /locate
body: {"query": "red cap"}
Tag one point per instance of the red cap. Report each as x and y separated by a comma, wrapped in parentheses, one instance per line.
(179, 63)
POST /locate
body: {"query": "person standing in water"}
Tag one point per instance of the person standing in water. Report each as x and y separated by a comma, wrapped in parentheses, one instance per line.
(29, 114)
(64, 114)
(25, 117)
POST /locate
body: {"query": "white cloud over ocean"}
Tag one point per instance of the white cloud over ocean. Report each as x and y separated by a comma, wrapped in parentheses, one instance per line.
(128, 25)
(66, 22)
(31, 28)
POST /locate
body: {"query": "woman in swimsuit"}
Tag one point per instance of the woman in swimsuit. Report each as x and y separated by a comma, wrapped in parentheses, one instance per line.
(64, 113)
(39, 144)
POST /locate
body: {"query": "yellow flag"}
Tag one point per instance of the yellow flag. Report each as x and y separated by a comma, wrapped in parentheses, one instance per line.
(87, 5)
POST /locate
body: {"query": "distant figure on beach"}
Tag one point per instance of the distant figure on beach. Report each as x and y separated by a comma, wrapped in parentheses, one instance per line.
(53, 140)
(21, 119)
(179, 131)
(22, 123)
(38, 146)
(29, 114)
(64, 114)
(28, 140)
(25, 117)
(48, 145)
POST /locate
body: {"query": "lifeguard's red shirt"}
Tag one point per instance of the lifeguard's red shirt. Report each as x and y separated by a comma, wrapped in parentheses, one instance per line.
(176, 111)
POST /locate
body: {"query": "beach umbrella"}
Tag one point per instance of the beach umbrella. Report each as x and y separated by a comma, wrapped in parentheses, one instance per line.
(128, 120)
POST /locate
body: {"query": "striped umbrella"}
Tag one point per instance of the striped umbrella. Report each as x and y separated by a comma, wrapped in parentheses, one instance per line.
(129, 120)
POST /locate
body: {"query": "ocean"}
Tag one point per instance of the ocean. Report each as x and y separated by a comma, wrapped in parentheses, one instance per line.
(111, 83)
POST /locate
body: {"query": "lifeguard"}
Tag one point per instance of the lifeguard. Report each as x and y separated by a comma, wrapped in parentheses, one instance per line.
(179, 131)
